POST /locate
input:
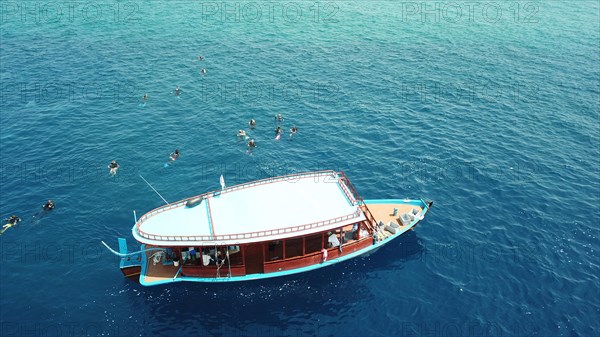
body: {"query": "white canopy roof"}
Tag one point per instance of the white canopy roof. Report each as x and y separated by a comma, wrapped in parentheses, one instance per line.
(264, 210)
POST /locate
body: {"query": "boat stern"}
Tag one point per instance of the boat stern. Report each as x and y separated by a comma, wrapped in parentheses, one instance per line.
(130, 264)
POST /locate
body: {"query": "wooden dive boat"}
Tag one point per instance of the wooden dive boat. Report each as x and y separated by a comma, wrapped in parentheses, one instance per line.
(266, 228)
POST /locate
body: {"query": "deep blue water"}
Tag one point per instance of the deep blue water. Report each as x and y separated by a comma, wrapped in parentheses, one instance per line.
(492, 111)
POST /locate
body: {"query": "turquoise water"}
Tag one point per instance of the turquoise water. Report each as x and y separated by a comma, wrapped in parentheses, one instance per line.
(491, 111)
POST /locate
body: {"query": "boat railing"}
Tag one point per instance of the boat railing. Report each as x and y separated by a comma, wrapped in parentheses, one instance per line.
(346, 182)
(289, 177)
(252, 235)
(160, 210)
(348, 194)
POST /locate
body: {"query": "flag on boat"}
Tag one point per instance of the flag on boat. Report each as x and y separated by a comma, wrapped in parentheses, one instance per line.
(222, 182)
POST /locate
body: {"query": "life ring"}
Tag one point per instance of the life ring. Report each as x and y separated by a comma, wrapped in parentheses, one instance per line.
(324, 251)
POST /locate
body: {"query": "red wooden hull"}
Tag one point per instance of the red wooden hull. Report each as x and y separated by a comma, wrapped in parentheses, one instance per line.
(210, 271)
(132, 272)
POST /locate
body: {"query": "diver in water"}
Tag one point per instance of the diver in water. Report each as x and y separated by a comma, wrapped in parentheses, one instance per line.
(49, 205)
(113, 167)
(279, 118)
(12, 221)
(177, 91)
(252, 124)
(251, 145)
(241, 133)
(293, 131)
(200, 58)
(145, 97)
(278, 131)
(173, 156)
(203, 71)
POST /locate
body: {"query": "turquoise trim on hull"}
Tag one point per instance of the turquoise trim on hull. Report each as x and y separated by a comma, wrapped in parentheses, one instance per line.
(251, 277)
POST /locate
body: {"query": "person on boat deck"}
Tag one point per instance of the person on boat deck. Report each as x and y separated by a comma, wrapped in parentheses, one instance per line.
(221, 258)
(48, 206)
(252, 123)
(113, 167)
(206, 259)
(174, 155)
(333, 240)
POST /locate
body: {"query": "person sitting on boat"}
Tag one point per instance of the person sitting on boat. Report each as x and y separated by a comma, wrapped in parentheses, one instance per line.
(49, 205)
(333, 240)
(173, 156)
(252, 123)
(113, 167)
(241, 133)
(206, 259)
(220, 259)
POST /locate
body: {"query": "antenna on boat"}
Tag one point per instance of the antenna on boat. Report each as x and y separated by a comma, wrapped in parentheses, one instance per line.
(222, 180)
(166, 202)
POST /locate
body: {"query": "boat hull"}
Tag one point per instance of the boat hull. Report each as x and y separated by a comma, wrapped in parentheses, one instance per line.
(132, 272)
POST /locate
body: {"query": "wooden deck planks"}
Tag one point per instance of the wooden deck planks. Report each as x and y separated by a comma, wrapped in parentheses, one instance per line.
(384, 212)
(159, 271)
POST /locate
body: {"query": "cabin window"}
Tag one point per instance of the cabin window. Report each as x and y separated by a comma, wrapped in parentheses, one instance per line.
(293, 247)
(314, 243)
(274, 251)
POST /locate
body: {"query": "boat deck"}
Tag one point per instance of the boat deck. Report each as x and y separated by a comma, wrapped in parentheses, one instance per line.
(385, 212)
(158, 272)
